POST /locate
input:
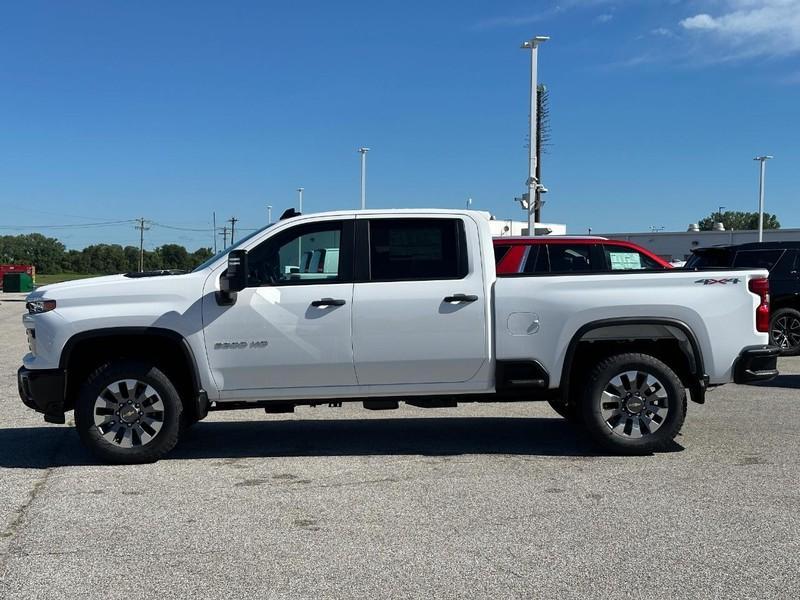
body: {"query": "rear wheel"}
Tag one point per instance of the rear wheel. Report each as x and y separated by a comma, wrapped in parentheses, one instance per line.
(128, 412)
(634, 404)
(784, 331)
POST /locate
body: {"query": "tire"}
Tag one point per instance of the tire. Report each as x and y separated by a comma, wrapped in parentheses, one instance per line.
(784, 331)
(633, 404)
(571, 412)
(128, 412)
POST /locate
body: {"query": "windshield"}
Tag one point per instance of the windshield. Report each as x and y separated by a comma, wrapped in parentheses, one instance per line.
(222, 253)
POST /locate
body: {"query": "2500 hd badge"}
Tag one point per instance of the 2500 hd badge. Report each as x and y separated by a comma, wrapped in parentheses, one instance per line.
(240, 345)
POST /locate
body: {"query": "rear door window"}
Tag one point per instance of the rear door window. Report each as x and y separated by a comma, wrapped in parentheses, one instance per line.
(422, 249)
(622, 258)
(757, 259)
(571, 258)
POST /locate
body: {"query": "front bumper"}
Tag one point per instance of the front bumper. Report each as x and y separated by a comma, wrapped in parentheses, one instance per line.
(43, 391)
(756, 363)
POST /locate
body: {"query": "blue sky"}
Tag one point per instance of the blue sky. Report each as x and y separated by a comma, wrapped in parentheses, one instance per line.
(113, 110)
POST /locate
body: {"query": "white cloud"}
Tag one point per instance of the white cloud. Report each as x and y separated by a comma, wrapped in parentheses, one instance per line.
(549, 11)
(662, 32)
(748, 28)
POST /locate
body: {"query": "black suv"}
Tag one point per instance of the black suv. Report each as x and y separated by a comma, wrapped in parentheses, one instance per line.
(782, 260)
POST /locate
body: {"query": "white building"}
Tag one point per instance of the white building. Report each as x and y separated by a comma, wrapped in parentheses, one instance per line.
(510, 227)
(677, 245)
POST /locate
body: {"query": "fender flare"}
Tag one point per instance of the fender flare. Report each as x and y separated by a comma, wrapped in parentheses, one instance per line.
(200, 396)
(694, 354)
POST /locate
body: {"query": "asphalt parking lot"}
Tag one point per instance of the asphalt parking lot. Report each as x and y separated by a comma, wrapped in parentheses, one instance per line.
(500, 501)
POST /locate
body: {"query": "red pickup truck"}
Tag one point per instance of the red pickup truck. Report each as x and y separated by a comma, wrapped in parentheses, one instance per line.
(570, 254)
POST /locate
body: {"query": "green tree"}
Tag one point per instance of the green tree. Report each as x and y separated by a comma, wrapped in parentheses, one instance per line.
(131, 258)
(49, 255)
(174, 256)
(200, 256)
(45, 253)
(738, 221)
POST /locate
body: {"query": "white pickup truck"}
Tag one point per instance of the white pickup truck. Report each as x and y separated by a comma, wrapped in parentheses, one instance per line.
(412, 311)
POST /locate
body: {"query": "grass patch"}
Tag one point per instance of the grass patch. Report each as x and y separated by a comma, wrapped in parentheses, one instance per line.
(59, 277)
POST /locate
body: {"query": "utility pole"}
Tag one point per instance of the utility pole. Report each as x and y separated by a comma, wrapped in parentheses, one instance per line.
(142, 227)
(232, 221)
(269, 214)
(300, 240)
(224, 234)
(214, 230)
(534, 186)
(363, 151)
(763, 160)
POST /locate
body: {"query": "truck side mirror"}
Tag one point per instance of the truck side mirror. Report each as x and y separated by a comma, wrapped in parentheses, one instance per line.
(235, 278)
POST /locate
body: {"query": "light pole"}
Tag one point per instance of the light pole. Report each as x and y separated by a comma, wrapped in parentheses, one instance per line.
(300, 200)
(763, 160)
(269, 214)
(719, 214)
(532, 182)
(363, 151)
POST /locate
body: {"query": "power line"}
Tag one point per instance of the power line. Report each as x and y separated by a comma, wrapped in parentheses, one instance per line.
(70, 226)
(176, 228)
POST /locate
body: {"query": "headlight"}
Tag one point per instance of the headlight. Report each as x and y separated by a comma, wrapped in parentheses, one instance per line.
(40, 306)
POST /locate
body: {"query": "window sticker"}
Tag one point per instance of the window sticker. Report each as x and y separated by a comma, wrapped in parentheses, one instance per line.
(625, 261)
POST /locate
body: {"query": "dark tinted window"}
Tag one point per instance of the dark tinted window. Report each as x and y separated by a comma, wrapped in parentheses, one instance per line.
(621, 258)
(403, 249)
(709, 259)
(568, 258)
(500, 252)
(757, 259)
(537, 262)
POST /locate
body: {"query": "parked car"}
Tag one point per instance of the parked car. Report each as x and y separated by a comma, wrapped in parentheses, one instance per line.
(412, 311)
(782, 260)
(570, 254)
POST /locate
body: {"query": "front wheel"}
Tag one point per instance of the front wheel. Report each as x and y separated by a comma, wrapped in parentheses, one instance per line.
(784, 331)
(128, 412)
(634, 404)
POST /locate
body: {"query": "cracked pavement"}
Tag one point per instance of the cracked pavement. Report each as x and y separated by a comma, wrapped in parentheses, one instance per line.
(483, 501)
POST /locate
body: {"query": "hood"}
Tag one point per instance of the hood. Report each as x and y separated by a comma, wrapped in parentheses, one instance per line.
(116, 288)
(66, 286)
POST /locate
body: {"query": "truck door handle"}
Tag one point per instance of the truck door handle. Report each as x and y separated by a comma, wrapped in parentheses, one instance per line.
(328, 302)
(461, 298)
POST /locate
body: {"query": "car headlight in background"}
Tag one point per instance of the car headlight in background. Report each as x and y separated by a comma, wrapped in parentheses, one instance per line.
(36, 307)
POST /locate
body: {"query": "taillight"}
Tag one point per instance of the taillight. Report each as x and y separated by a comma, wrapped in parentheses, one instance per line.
(760, 287)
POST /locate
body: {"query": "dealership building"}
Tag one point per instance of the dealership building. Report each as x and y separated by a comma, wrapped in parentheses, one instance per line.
(678, 245)
(669, 245)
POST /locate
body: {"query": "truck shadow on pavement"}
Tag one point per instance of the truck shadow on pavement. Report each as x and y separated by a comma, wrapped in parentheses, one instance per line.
(47, 447)
(791, 382)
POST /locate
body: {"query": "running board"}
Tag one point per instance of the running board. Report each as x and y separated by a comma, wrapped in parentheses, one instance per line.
(532, 383)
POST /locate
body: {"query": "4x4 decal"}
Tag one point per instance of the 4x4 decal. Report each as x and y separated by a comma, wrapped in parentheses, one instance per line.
(724, 281)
